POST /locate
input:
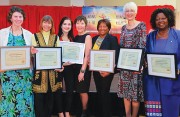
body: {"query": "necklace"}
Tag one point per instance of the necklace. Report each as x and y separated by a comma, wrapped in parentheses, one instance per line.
(13, 41)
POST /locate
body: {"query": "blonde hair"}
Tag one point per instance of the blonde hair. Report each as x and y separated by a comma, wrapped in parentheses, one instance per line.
(130, 6)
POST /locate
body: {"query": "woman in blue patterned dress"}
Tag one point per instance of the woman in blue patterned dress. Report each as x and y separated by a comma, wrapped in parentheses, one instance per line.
(133, 35)
(17, 96)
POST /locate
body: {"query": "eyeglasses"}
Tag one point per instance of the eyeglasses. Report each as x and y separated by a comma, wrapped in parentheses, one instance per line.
(161, 19)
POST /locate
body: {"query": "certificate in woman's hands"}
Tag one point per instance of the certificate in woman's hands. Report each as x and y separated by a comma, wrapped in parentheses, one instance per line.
(72, 52)
(130, 59)
(48, 58)
(102, 60)
(163, 65)
(14, 57)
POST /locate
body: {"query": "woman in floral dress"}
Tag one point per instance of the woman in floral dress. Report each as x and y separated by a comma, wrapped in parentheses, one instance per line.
(17, 96)
(133, 35)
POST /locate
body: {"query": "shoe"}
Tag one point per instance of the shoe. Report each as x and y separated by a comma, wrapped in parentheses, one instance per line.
(84, 114)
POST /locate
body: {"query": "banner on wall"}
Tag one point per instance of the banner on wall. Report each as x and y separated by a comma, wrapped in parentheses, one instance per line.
(95, 13)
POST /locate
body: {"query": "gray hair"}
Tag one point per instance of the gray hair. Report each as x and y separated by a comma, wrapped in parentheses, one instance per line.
(130, 6)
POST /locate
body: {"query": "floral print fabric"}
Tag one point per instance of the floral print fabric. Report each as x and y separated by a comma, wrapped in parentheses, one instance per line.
(17, 95)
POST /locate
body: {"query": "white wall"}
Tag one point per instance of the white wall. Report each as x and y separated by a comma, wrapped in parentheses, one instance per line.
(4, 2)
(77, 2)
(112, 2)
(178, 14)
(161, 2)
(41, 2)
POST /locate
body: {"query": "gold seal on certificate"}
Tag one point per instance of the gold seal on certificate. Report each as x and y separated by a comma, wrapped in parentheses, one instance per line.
(72, 52)
(48, 58)
(162, 65)
(102, 60)
(15, 57)
(130, 59)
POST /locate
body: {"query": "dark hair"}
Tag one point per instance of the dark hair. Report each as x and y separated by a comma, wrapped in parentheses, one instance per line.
(106, 21)
(80, 18)
(15, 9)
(167, 12)
(70, 33)
(47, 18)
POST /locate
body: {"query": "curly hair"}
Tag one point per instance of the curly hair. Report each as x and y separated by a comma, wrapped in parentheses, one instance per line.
(15, 9)
(167, 12)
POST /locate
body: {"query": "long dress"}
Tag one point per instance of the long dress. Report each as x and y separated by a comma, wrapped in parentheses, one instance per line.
(162, 95)
(17, 96)
(130, 85)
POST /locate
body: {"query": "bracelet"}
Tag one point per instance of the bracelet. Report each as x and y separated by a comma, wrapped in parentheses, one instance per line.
(82, 71)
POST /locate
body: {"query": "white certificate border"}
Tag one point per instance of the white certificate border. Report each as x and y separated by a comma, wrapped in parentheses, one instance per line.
(3, 49)
(81, 52)
(111, 53)
(137, 67)
(48, 49)
(173, 62)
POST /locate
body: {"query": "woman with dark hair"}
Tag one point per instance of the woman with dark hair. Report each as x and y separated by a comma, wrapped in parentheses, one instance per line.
(162, 95)
(17, 95)
(133, 35)
(47, 84)
(104, 41)
(66, 34)
(82, 73)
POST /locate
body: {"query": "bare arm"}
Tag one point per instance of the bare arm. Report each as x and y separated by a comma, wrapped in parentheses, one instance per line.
(88, 46)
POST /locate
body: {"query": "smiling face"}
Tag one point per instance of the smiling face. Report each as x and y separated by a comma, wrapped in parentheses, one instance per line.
(46, 26)
(66, 26)
(80, 26)
(103, 29)
(130, 14)
(17, 19)
(161, 21)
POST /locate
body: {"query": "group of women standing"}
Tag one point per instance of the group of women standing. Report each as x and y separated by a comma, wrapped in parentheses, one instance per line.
(18, 85)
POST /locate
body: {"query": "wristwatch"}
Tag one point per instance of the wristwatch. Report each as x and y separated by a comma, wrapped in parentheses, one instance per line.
(82, 71)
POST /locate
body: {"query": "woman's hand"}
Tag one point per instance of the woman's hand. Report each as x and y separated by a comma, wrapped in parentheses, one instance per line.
(33, 50)
(1, 71)
(139, 71)
(81, 77)
(104, 74)
(67, 63)
(60, 70)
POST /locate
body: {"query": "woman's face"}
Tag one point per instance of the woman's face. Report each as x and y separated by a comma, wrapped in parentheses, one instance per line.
(103, 29)
(161, 21)
(80, 26)
(46, 26)
(130, 14)
(66, 26)
(17, 19)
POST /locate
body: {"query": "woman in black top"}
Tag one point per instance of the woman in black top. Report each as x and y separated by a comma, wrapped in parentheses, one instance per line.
(104, 41)
(82, 74)
(66, 34)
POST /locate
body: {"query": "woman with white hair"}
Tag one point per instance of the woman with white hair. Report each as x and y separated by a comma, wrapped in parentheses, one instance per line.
(133, 35)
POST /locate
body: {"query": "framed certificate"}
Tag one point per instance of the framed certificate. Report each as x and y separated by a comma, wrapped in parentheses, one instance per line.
(130, 59)
(102, 60)
(48, 58)
(72, 52)
(14, 57)
(162, 65)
